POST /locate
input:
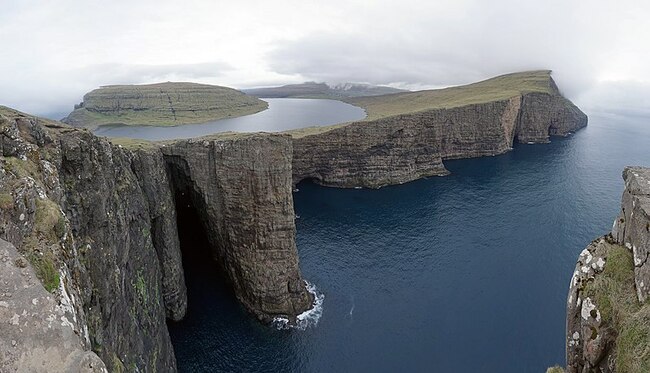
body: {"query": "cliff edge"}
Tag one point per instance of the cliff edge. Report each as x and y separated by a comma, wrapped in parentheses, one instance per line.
(407, 136)
(608, 316)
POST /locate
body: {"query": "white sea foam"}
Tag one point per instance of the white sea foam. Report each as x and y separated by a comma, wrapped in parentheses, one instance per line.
(308, 318)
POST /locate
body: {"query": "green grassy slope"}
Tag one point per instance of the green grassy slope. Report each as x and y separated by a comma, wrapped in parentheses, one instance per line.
(494, 89)
(162, 104)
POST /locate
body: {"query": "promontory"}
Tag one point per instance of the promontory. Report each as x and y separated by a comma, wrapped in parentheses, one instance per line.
(161, 104)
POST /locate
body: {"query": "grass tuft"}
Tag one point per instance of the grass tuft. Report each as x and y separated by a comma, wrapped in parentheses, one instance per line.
(614, 293)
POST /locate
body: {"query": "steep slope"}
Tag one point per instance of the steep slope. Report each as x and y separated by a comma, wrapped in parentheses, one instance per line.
(162, 104)
(322, 90)
(407, 136)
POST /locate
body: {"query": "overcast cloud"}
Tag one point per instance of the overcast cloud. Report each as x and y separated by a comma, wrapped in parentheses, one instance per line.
(52, 52)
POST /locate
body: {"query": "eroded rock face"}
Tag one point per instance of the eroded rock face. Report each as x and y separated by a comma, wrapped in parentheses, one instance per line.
(407, 147)
(151, 172)
(242, 189)
(99, 223)
(74, 208)
(632, 228)
(589, 340)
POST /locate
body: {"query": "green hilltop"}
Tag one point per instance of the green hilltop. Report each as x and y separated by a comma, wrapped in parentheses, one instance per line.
(494, 89)
(162, 104)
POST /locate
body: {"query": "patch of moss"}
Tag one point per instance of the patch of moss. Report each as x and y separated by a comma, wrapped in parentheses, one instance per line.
(6, 201)
(614, 294)
(21, 168)
(48, 219)
(118, 366)
(613, 290)
(46, 270)
(141, 288)
(555, 369)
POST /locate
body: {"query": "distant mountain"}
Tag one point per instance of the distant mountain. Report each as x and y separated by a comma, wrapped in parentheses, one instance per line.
(322, 90)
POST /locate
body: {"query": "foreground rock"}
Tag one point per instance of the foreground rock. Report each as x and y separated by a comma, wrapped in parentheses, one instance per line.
(98, 223)
(37, 331)
(608, 320)
(162, 104)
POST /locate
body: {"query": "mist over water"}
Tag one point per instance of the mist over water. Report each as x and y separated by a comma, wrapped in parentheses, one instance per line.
(462, 273)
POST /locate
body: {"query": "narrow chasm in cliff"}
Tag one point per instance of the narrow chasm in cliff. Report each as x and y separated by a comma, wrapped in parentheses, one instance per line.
(200, 265)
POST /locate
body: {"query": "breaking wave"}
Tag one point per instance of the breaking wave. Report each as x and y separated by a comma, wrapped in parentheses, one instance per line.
(308, 318)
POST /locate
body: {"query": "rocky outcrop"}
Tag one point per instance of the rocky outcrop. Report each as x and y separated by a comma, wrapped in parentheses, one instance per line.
(632, 228)
(406, 147)
(97, 221)
(608, 319)
(162, 104)
(38, 333)
(241, 187)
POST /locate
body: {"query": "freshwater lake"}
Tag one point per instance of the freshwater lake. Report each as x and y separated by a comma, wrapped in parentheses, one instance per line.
(463, 273)
(283, 114)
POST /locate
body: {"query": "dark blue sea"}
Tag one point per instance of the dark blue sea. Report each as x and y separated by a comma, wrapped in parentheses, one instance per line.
(463, 273)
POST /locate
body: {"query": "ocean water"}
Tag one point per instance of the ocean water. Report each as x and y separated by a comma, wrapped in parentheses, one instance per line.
(463, 273)
(283, 114)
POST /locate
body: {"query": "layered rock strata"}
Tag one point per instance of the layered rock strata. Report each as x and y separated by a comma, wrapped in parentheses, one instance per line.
(241, 187)
(406, 147)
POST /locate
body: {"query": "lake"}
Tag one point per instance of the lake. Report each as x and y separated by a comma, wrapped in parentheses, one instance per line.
(283, 114)
(462, 273)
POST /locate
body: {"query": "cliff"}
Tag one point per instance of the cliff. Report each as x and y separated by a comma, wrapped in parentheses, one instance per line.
(408, 136)
(96, 223)
(162, 104)
(608, 317)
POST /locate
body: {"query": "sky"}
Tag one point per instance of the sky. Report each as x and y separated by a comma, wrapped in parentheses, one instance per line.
(54, 51)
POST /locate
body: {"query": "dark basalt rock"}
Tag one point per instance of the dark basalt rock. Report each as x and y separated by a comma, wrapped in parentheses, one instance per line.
(407, 147)
(98, 223)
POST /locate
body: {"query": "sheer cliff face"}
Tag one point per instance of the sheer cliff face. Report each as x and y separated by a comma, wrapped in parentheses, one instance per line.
(75, 210)
(632, 228)
(607, 309)
(98, 225)
(406, 147)
(241, 189)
